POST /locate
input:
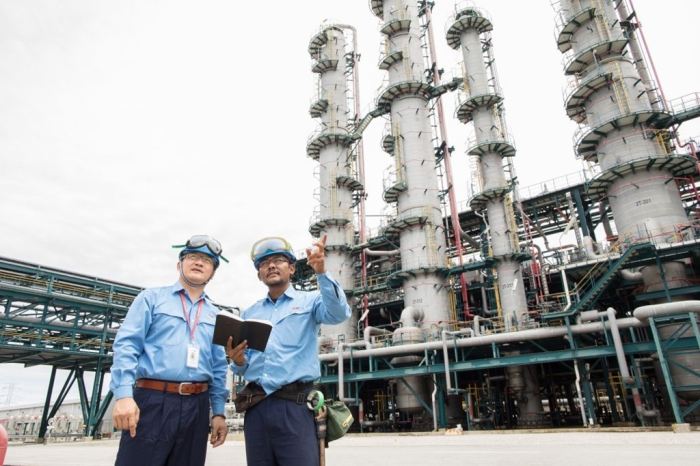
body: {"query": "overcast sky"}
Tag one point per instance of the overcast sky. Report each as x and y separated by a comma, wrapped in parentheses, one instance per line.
(128, 126)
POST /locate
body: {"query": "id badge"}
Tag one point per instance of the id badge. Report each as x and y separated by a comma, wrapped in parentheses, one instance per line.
(192, 356)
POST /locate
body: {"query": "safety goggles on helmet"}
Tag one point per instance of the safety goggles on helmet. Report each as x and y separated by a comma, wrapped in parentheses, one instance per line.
(269, 246)
(205, 244)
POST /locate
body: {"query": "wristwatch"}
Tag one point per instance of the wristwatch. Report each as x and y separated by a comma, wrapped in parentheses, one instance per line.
(219, 415)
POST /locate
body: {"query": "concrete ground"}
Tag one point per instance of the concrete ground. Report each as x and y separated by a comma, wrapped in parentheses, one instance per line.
(570, 448)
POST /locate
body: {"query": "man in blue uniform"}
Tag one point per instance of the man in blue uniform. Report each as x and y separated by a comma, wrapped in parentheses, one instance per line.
(166, 372)
(280, 430)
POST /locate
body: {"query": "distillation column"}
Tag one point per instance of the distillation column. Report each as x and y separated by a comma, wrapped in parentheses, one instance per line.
(481, 103)
(623, 128)
(330, 146)
(413, 186)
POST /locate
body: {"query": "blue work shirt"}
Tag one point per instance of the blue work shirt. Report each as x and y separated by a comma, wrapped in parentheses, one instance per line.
(152, 343)
(292, 351)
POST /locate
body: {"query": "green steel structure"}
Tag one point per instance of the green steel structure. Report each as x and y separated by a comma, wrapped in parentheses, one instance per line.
(64, 320)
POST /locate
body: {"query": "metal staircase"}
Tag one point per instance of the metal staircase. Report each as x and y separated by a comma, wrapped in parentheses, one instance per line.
(596, 282)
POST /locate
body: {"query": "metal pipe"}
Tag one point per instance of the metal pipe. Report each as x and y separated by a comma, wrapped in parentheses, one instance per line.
(617, 341)
(369, 331)
(632, 276)
(578, 391)
(534, 224)
(543, 277)
(393, 252)
(566, 290)
(435, 421)
(410, 316)
(643, 313)
(340, 359)
(446, 354)
(60, 323)
(644, 412)
(467, 237)
(604, 219)
(499, 338)
(590, 250)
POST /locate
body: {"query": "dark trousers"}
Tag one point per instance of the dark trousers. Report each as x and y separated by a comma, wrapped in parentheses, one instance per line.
(280, 433)
(172, 431)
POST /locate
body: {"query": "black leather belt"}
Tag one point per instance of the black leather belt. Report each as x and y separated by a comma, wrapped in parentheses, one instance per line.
(296, 392)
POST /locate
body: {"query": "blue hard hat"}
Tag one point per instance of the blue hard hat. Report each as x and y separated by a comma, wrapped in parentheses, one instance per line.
(270, 246)
(204, 244)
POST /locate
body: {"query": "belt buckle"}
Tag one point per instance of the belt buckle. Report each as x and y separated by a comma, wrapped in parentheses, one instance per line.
(301, 398)
(179, 388)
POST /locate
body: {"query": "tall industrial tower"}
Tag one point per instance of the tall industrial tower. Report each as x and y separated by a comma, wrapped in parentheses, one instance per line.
(623, 127)
(493, 176)
(413, 185)
(333, 103)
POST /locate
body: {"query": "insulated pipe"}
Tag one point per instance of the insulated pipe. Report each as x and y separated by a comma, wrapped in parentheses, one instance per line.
(340, 358)
(631, 276)
(643, 313)
(410, 316)
(59, 323)
(364, 315)
(582, 220)
(565, 282)
(472, 242)
(617, 341)
(590, 250)
(578, 391)
(446, 354)
(498, 338)
(368, 331)
(393, 252)
(435, 421)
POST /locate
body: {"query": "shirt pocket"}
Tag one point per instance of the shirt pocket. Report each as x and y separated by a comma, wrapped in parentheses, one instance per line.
(293, 329)
(168, 327)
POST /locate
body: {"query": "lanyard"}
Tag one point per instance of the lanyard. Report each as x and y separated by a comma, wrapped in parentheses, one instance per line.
(187, 316)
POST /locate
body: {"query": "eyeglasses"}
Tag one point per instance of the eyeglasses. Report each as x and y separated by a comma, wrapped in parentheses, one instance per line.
(277, 260)
(196, 256)
(269, 245)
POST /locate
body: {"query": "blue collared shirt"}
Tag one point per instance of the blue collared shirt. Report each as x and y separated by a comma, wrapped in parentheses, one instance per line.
(292, 351)
(152, 343)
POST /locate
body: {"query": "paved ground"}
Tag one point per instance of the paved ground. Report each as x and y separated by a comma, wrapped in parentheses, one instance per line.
(570, 448)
